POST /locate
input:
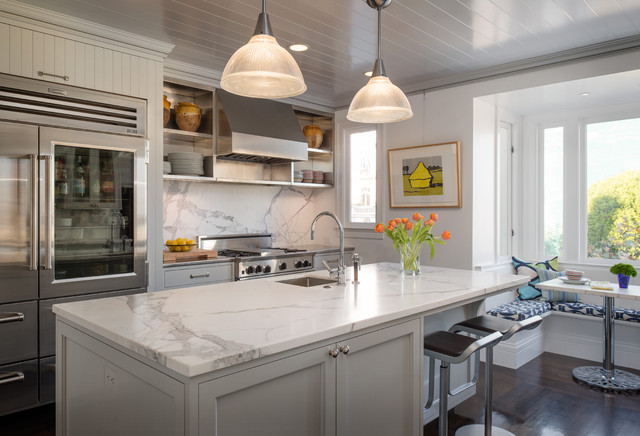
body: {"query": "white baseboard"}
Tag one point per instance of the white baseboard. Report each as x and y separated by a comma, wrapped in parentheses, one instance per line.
(519, 349)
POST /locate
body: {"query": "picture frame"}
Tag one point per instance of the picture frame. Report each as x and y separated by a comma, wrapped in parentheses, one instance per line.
(425, 176)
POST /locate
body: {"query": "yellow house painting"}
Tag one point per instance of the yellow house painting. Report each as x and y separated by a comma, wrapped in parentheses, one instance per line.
(420, 177)
(426, 177)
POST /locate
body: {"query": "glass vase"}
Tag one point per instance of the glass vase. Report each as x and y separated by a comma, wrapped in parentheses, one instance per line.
(409, 260)
(623, 281)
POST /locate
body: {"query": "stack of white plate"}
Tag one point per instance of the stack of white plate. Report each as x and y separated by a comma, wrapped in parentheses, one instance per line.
(208, 166)
(186, 163)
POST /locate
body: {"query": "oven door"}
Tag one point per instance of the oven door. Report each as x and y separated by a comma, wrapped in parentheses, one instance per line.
(92, 212)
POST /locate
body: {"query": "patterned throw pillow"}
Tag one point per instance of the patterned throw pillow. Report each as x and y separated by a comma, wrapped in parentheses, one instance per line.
(547, 274)
(530, 269)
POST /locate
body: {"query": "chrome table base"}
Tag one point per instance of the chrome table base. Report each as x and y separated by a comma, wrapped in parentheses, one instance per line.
(596, 376)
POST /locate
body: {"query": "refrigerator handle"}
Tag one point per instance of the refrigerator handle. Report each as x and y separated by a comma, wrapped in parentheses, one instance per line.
(48, 187)
(33, 266)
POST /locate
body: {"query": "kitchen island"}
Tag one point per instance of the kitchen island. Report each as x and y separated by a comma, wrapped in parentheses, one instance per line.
(258, 356)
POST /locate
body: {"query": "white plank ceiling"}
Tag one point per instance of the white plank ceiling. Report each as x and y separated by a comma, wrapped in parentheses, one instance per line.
(426, 43)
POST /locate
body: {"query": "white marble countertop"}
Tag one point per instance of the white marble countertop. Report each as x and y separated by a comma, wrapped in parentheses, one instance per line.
(631, 293)
(200, 329)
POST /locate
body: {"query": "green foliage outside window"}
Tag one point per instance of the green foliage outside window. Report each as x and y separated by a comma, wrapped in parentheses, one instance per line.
(613, 217)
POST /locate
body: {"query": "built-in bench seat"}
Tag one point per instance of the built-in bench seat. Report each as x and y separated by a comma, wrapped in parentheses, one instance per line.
(519, 310)
(595, 310)
(570, 328)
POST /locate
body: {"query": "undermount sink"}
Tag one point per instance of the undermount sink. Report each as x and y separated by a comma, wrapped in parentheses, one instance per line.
(308, 281)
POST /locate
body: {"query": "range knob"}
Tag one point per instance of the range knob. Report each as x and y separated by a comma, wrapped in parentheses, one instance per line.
(306, 263)
(258, 268)
(282, 266)
(298, 264)
(250, 270)
(267, 269)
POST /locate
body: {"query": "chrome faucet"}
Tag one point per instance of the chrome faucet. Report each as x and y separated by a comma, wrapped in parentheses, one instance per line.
(341, 266)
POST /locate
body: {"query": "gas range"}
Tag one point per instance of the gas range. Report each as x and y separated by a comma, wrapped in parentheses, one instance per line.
(254, 257)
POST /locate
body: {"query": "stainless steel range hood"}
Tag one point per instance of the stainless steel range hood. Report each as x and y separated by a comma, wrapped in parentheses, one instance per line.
(258, 130)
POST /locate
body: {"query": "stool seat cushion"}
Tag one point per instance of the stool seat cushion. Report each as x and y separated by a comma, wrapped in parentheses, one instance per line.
(519, 310)
(447, 344)
(488, 324)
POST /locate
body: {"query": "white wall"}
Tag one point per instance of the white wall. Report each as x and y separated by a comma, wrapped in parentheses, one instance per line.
(448, 115)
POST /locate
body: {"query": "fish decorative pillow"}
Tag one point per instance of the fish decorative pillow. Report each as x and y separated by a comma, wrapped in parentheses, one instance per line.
(530, 269)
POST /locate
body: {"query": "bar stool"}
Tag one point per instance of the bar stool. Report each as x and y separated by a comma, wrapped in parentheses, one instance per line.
(481, 326)
(450, 348)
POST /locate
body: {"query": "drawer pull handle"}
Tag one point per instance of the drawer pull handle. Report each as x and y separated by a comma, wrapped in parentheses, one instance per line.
(198, 276)
(11, 377)
(11, 317)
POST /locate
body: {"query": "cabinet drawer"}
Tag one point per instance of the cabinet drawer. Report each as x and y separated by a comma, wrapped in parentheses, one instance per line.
(48, 318)
(15, 393)
(18, 332)
(211, 273)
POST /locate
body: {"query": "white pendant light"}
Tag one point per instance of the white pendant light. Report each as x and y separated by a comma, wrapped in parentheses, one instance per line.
(262, 68)
(379, 101)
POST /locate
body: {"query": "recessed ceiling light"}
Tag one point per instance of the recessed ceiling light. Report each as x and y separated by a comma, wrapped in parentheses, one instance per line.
(584, 94)
(368, 73)
(298, 47)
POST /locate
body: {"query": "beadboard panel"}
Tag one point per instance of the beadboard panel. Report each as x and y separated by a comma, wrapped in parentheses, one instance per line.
(24, 52)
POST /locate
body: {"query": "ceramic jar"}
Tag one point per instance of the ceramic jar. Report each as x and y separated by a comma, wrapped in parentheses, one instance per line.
(166, 110)
(313, 134)
(188, 116)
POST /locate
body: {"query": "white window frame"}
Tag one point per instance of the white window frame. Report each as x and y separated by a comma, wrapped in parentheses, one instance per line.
(353, 229)
(574, 168)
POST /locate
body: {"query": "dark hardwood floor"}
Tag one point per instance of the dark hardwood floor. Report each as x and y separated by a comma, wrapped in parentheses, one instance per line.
(542, 399)
(538, 399)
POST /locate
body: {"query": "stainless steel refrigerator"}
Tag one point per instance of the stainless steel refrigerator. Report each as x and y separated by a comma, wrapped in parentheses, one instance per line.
(72, 218)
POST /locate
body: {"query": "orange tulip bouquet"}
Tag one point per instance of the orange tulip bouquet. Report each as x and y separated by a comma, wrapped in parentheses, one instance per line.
(408, 244)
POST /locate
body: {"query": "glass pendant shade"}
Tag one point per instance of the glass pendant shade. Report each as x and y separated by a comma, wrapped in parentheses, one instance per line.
(379, 101)
(263, 69)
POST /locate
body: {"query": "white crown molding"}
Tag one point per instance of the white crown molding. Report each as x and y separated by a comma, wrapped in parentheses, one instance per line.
(36, 18)
(580, 54)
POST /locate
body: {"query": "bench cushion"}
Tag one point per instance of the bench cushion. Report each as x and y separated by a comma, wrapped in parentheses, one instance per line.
(595, 310)
(519, 310)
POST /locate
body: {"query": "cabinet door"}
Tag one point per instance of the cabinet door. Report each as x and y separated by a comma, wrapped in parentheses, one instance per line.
(379, 383)
(292, 396)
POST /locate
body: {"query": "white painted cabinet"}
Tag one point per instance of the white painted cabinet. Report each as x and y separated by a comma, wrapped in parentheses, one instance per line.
(372, 389)
(26, 52)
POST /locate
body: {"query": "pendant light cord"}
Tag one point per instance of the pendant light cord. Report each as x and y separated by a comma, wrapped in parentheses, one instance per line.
(379, 32)
(264, 6)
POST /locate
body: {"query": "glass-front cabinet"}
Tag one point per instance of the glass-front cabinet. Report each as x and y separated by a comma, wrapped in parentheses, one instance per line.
(93, 211)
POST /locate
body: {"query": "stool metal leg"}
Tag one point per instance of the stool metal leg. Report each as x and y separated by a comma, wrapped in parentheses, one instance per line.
(444, 393)
(488, 392)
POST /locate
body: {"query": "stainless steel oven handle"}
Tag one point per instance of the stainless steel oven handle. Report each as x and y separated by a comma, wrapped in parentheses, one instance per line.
(11, 377)
(33, 161)
(48, 186)
(11, 317)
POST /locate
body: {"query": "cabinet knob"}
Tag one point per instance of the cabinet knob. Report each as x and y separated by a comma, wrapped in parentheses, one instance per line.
(334, 353)
(345, 349)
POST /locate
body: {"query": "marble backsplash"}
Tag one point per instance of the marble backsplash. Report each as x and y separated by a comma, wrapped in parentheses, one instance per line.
(192, 209)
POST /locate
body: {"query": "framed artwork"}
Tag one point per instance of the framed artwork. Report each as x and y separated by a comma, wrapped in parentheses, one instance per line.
(425, 176)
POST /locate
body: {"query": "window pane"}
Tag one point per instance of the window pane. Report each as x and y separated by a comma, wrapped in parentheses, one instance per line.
(362, 207)
(613, 189)
(553, 198)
